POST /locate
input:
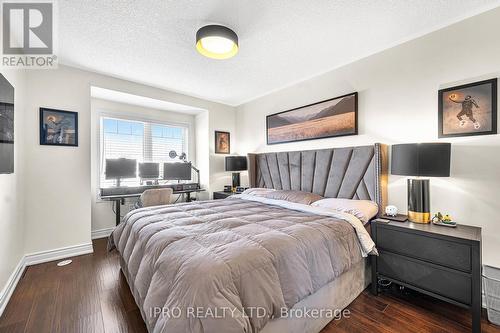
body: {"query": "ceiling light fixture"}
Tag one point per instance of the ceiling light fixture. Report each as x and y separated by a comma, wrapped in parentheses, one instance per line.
(217, 42)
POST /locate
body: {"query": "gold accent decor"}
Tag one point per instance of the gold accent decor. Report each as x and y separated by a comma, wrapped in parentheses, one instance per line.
(383, 173)
(418, 217)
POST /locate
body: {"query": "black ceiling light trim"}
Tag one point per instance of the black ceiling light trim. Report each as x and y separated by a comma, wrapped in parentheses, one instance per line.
(220, 34)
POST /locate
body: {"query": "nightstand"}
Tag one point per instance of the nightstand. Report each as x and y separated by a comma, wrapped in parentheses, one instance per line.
(222, 195)
(438, 261)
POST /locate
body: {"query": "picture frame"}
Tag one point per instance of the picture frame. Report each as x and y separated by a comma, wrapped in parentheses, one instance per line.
(58, 128)
(6, 126)
(334, 117)
(468, 109)
(222, 142)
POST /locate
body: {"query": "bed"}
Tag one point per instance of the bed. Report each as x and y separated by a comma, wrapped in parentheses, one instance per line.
(254, 264)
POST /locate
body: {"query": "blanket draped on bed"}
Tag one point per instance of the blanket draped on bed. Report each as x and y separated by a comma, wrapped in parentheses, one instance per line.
(228, 265)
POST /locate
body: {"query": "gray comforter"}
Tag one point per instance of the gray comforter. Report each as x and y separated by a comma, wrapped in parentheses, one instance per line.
(228, 265)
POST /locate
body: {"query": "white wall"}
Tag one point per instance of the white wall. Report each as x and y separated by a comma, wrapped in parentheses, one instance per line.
(203, 151)
(102, 214)
(224, 121)
(58, 179)
(398, 94)
(11, 188)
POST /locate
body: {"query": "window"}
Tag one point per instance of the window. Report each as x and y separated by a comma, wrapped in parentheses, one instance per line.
(139, 140)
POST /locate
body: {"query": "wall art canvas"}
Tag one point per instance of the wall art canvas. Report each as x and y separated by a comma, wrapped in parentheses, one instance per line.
(6, 126)
(334, 117)
(58, 127)
(222, 142)
(469, 109)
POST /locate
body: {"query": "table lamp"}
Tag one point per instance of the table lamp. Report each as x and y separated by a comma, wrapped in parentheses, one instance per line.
(420, 160)
(236, 163)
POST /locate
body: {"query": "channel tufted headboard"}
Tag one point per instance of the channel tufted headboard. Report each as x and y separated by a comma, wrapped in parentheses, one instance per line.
(351, 172)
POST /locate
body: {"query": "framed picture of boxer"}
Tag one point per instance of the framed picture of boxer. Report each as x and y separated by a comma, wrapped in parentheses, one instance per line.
(469, 109)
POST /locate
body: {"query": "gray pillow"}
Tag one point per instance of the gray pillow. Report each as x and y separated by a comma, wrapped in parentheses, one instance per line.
(258, 191)
(305, 198)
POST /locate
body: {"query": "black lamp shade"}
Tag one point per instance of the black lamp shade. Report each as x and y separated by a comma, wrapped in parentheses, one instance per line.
(421, 159)
(236, 163)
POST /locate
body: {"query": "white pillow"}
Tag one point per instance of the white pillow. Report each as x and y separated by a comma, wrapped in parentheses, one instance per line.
(364, 210)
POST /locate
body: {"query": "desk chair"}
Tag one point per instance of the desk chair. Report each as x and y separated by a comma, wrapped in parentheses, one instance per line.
(155, 197)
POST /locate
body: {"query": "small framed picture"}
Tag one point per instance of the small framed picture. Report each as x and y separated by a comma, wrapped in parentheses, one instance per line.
(58, 127)
(469, 109)
(222, 142)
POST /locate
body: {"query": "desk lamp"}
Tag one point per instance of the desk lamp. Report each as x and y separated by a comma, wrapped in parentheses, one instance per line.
(420, 160)
(236, 163)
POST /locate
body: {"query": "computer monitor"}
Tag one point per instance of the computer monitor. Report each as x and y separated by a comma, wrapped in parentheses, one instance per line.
(177, 171)
(149, 170)
(121, 168)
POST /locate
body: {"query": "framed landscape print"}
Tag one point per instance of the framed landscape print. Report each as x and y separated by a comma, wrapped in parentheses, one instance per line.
(6, 126)
(469, 109)
(222, 142)
(334, 117)
(58, 127)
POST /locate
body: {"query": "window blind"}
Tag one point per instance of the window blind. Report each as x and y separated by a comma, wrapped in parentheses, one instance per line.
(139, 140)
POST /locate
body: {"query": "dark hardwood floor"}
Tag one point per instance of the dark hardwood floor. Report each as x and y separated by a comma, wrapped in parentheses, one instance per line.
(91, 295)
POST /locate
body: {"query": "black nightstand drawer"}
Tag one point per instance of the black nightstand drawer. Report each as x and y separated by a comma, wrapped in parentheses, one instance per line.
(438, 261)
(447, 253)
(222, 195)
(452, 284)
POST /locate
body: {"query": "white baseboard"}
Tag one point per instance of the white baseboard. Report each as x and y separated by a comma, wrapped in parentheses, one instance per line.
(102, 233)
(56, 254)
(11, 284)
(38, 258)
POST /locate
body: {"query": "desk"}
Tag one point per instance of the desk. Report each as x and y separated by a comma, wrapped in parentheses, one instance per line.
(119, 198)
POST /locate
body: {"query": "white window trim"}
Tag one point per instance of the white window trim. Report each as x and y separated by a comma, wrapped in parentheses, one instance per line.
(123, 115)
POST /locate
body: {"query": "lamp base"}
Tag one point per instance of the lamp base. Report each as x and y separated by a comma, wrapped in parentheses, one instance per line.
(235, 180)
(419, 201)
(419, 217)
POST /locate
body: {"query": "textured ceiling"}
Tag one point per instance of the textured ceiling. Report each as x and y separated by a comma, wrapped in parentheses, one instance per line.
(281, 41)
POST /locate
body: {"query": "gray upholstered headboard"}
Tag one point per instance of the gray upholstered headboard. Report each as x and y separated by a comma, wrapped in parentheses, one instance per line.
(351, 172)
